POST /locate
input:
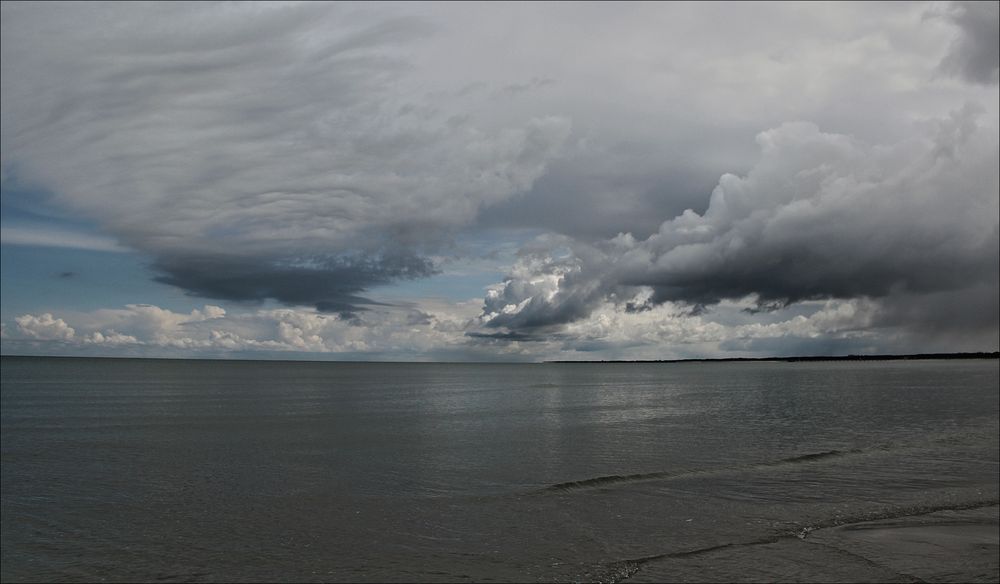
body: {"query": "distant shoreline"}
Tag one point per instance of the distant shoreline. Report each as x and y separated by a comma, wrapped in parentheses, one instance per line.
(914, 357)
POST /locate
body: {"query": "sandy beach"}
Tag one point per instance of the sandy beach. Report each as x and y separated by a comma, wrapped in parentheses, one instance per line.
(945, 546)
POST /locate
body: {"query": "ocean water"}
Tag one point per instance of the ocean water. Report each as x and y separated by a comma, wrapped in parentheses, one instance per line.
(120, 470)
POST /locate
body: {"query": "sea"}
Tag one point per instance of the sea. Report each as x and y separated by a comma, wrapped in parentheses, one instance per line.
(204, 471)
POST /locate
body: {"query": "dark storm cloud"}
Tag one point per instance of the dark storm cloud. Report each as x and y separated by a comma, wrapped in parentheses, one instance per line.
(819, 216)
(596, 197)
(217, 137)
(329, 284)
(793, 346)
(975, 53)
(506, 337)
(954, 320)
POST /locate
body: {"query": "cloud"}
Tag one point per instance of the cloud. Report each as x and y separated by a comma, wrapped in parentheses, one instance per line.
(331, 284)
(819, 216)
(660, 111)
(428, 331)
(668, 326)
(311, 153)
(44, 327)
(51, 237)
(530, 85)
(146, 323)
(437, 330)
(235, 144)
(110, 338)
(974, 55)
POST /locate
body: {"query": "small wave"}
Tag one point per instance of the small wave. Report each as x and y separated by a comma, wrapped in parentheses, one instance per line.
(611, 480)
(813, 457)
(182, 577)
(598, 482)
(624, 569)
(896, 513)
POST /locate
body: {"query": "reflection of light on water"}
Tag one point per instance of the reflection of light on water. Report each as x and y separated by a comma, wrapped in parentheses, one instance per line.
(373, 471)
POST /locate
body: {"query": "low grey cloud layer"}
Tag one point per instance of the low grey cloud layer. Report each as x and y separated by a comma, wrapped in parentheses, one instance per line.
(975, 54)
(690, 170)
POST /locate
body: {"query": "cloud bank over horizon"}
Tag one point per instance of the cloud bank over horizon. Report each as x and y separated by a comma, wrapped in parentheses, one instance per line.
(680, 179)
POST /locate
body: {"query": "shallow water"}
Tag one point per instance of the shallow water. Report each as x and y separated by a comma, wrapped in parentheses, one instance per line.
(225, 470)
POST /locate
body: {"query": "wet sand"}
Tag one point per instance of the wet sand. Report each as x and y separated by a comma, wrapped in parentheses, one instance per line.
(945, 546)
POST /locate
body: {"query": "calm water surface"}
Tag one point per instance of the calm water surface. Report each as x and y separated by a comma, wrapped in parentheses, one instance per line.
(224, 470)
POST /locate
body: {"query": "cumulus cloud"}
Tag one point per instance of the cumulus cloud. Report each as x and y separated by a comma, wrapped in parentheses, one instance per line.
(144, 323)
(110, 338)
(44, 327)
(974, 55)
(668, 326)
(819, 216)
(433, 329)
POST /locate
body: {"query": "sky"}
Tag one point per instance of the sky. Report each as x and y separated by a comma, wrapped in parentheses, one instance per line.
(499, 181)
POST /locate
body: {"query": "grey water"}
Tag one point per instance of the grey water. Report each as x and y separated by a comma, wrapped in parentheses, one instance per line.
(168, 470)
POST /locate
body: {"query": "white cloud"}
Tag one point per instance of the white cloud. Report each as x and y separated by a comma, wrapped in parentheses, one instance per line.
(44, 327)
(110, 338)
(145, 322)
(410, 331)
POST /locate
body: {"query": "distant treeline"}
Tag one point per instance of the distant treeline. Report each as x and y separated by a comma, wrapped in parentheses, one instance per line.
(993, 355)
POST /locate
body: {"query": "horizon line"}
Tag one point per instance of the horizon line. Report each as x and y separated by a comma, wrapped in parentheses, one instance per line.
(786, 359)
